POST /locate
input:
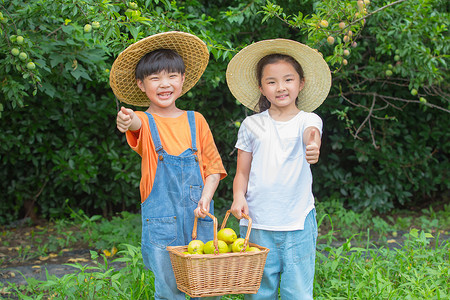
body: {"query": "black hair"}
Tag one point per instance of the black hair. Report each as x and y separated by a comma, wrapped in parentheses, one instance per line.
(157, 61)
(264, 104)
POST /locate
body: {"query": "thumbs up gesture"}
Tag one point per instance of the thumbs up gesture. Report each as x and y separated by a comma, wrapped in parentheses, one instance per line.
(124, 119)
(312, 142)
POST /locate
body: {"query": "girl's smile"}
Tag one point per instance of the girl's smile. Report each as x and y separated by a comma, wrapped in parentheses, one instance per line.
(281, 84)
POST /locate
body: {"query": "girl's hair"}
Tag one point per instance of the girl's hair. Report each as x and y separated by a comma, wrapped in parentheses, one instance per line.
(157, 61)
(263, 103)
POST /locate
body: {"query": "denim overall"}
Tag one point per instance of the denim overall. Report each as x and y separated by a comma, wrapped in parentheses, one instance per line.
(168, 212)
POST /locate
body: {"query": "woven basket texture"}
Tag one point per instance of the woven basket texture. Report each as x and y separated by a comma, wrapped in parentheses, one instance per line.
(122, 76)
(202, 275)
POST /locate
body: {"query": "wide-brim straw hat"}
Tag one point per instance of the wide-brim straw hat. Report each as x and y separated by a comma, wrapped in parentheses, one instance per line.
(243, 84)
(192, 50)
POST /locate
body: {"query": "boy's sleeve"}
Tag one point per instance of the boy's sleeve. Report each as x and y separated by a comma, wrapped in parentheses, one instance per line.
(134, 138)
(212, 162)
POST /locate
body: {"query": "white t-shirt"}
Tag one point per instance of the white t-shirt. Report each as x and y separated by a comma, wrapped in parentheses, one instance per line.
(279, 192)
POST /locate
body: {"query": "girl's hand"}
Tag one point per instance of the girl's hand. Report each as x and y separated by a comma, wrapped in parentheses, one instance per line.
(238, 207)
(313, 147)
(124, 119)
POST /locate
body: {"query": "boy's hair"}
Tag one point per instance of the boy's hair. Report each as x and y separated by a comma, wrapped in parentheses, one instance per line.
(264, 104)
(157, 61)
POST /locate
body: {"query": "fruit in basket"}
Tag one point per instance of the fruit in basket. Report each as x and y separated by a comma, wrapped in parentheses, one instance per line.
(238, 245)
(227, 235)
(196, 247)
(186, 253)
(209, 247)
(253, 249)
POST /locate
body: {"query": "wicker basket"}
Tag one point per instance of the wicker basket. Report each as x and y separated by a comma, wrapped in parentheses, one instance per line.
(203, 275)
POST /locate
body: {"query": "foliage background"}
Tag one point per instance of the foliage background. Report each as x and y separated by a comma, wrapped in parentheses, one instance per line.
(383, 147)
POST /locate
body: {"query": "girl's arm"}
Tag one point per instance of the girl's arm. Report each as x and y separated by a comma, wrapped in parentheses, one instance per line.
(312, 141)
(211, 183)
(240, 183)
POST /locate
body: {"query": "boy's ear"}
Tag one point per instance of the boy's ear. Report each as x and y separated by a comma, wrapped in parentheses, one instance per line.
(183, 76)
(140, 84)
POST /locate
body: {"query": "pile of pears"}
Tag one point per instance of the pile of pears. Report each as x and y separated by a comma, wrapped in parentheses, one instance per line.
(227, 242)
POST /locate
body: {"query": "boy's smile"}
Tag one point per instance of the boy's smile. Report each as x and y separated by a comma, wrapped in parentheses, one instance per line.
(162, 88)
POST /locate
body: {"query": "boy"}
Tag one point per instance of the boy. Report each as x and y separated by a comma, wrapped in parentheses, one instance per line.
(181, 166)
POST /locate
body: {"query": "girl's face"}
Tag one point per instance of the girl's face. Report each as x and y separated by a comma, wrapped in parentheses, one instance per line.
(280, 84)
(162, 88)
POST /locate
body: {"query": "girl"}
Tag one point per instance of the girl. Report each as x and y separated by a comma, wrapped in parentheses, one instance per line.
(284, 81)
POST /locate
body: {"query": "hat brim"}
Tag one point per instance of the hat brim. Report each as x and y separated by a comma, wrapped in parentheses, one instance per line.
(192, 50)
(243, 84)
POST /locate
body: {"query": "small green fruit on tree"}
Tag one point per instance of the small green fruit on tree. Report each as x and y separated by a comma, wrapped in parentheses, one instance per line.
(95, 25)
(132, 5)
(414, 92)
(31, 66)
(15, 51)
(397, 57)
(87, 28)
(388, 73)
(346, 52)
(23, 56)
(20, 40)
(423, 100)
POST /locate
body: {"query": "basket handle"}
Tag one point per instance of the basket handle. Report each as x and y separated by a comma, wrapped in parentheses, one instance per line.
(249, 227)
(194, 231)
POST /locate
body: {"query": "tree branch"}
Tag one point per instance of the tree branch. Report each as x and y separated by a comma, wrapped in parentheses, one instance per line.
(374, 12)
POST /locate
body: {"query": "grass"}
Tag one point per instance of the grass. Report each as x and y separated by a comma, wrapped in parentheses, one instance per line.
(359, 256)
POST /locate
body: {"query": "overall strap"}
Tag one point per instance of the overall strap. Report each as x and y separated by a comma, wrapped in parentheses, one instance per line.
(154, 132)
(191, 119)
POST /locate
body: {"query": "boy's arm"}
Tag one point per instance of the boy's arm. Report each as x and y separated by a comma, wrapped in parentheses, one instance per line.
(211, 183)
(240, 184)
(127, 120)
(312, 141)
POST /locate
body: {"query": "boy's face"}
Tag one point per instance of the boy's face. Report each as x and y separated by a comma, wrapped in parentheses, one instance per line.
(162, 88)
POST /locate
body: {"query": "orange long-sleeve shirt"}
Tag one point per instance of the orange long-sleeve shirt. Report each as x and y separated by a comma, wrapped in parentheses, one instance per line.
(175, 138)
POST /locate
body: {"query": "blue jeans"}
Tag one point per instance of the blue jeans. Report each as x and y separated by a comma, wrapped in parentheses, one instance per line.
(290, 263)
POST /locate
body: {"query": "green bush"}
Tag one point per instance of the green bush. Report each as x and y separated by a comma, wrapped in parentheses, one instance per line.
(382, 146)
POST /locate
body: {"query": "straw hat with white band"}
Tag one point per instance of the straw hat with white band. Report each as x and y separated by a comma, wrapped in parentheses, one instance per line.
(243, 84)
(192, 50)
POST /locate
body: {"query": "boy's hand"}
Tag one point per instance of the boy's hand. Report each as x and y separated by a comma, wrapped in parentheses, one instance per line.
(202, 204)
(312, 147)
(124, 119)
